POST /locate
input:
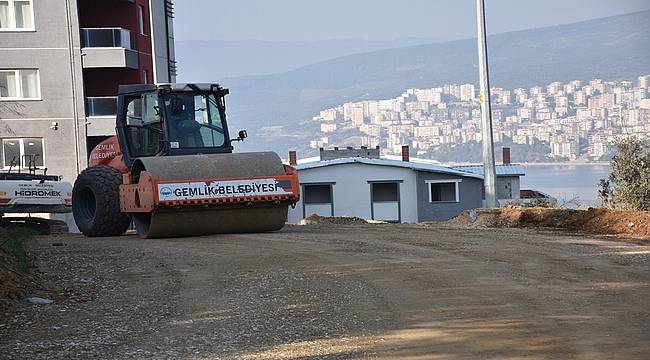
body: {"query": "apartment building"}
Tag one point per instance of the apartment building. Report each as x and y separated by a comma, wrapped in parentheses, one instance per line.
(61, 62)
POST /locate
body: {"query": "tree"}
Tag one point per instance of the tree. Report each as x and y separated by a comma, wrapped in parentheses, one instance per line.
(628, 185)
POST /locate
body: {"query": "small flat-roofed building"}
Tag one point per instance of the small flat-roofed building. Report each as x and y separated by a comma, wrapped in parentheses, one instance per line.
(388, 190)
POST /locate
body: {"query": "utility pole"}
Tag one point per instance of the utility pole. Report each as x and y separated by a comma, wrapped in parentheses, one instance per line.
(489, 170)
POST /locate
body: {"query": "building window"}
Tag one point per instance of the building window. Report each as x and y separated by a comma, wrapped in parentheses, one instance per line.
(107, 37)
(141, 19)
(385, 192)
(317, 199)
(23, 153)
(16, 15)
(443, 190)
(19, 85)
(318, 194)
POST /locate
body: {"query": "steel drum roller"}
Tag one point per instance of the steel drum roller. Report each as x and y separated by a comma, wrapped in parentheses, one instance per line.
(258, 217)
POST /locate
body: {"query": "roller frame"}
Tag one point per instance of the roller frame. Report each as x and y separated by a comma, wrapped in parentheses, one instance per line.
(143, 197)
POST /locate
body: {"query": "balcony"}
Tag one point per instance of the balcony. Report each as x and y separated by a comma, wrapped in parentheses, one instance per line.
(101, 106)
(108, 48)
(100, 112)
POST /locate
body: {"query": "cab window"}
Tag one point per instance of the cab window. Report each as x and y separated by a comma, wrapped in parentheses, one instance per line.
(194, 121)
(144, 129)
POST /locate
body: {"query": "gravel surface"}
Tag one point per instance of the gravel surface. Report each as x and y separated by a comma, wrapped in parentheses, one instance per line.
(338, 292)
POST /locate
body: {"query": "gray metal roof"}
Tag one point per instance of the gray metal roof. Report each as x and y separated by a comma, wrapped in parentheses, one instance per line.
(502, 170)
(385, 162)
(140, 88)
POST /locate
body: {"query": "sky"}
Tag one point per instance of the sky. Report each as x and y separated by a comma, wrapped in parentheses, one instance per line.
(315, 20)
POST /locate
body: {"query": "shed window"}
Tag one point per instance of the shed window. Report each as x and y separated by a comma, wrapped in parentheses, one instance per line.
(318, 194)
(443, 190)
(385, 192)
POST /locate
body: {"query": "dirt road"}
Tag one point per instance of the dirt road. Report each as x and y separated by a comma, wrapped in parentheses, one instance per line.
(339, 292)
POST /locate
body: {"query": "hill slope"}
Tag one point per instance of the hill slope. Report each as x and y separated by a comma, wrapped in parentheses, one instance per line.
(208, 60)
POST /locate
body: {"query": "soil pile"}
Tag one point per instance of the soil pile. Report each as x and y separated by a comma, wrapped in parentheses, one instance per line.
(13, 283)
(18, 276)
(333, 220)
(594, 220)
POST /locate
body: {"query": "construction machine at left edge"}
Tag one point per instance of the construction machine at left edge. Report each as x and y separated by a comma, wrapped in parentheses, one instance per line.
(170, 169)
(27, 192)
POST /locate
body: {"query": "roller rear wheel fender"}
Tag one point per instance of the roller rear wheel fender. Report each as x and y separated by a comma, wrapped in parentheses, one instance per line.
(96, 202)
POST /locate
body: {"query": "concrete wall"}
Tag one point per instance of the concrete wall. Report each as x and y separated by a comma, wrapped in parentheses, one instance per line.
(49, 49)
(105, 81)
(351, 191)
(331, 154)
(318, 209)
(470, 193)
(386, 211)
(109, 58)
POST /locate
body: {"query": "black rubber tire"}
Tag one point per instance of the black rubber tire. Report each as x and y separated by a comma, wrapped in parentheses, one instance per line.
(96, 202)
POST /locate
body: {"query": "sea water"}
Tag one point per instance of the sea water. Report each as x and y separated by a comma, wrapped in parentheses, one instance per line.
(574, 184)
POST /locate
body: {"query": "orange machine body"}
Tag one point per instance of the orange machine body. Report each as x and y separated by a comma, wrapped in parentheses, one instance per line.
(144, 196)
(108, 153)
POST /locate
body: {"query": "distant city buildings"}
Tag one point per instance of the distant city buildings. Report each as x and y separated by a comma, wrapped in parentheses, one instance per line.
(574, 120)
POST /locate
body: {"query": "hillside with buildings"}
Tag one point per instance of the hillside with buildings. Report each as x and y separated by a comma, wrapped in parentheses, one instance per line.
(613, 48)
(556, 122)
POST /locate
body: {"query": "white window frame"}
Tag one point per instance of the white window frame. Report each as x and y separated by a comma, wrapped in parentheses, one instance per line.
(443, 181)
(141, 20)
(12, 17)
(22, 152)
(19, 88)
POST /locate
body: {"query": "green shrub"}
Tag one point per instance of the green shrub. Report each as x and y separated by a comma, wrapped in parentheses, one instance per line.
(628, 185)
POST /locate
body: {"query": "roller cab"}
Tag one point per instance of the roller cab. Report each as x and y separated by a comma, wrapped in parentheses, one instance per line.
(171, 170)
